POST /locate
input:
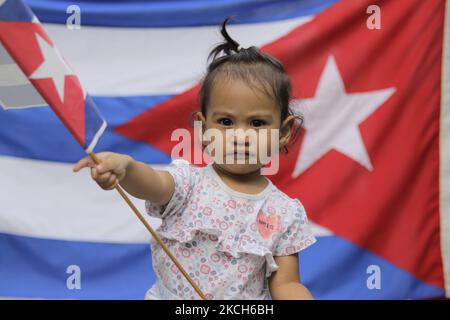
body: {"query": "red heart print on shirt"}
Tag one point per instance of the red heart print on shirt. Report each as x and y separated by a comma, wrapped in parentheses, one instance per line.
(268, 224)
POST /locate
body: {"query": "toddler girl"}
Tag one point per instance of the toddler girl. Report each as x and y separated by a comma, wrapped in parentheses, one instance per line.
(234, 232)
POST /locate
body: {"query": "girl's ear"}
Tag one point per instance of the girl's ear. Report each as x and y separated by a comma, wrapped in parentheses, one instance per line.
(198, 116)
(286, 130)
(202, 118)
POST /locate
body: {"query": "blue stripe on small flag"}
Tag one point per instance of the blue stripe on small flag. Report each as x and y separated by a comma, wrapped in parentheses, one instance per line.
(95, 124)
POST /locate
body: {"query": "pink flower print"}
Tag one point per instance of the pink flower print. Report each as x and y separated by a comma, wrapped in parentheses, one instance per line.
(174, 269)
(250, 209)
(186, 253)
(290, 250)
(232, 204)
(213, 237)
(204, 268)
(242, 240)
(198, 223)
(215, 257)
(223, 225)
(207, 211)
(268, 224)
(242, 268)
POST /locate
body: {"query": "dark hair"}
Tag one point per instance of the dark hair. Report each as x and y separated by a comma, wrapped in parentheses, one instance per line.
(253, 67)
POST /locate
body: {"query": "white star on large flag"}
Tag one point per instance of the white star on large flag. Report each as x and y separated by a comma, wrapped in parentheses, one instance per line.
(332, 119)
(53, 66)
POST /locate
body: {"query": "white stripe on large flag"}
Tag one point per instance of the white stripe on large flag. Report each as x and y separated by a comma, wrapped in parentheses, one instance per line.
(50, 201)
(151, 61)
(58, 204)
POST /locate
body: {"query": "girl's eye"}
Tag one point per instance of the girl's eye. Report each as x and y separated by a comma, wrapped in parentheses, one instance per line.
(258, 123)
(225, 121)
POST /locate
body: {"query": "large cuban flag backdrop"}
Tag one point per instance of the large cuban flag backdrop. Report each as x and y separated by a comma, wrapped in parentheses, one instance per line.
(372, 165)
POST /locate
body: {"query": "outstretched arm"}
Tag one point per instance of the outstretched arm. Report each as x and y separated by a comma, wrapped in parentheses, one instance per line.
(137, 178)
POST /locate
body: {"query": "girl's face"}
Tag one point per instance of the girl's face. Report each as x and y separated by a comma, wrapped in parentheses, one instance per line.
(235, 105)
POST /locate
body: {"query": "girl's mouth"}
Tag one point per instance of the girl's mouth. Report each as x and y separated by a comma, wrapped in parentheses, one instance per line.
(246, 153)
(241, 155)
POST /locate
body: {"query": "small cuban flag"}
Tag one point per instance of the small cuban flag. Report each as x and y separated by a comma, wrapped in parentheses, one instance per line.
(33, 73)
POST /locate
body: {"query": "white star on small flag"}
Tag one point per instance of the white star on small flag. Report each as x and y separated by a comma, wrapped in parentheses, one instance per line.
(53, 66)
(332, 119)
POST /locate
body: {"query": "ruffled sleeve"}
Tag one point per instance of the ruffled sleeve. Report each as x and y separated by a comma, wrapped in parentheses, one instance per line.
(298, 235)
(182, 173)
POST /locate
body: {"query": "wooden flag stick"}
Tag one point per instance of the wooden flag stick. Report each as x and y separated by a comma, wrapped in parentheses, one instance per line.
(153, 233)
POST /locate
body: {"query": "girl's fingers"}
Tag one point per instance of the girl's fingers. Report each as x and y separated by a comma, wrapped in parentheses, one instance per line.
(105, 165)
(89, 162)
(109, 164)
(83, 163)
(94, 173)
(112, 179)
(102, 177)
(102, 173)
(112, 183)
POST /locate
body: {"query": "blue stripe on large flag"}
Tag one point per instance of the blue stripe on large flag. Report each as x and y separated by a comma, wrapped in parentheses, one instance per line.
(343, 274)
(13, 10)
(140, 13)
(32, 267)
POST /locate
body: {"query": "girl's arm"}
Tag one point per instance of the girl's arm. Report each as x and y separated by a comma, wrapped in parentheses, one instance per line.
(137, 178)
(144, 182)
(284, 284)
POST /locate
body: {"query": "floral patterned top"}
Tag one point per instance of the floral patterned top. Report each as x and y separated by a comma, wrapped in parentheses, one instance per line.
(226, 240)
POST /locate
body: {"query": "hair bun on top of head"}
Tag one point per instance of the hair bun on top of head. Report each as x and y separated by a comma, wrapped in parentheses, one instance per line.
(228, 46)
(231, 50)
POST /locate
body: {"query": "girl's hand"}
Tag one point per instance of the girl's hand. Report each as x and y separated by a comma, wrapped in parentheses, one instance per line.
(111, 170)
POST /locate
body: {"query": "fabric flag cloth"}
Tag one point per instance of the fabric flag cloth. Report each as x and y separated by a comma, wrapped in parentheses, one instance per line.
(40, 75)
(371, 167)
